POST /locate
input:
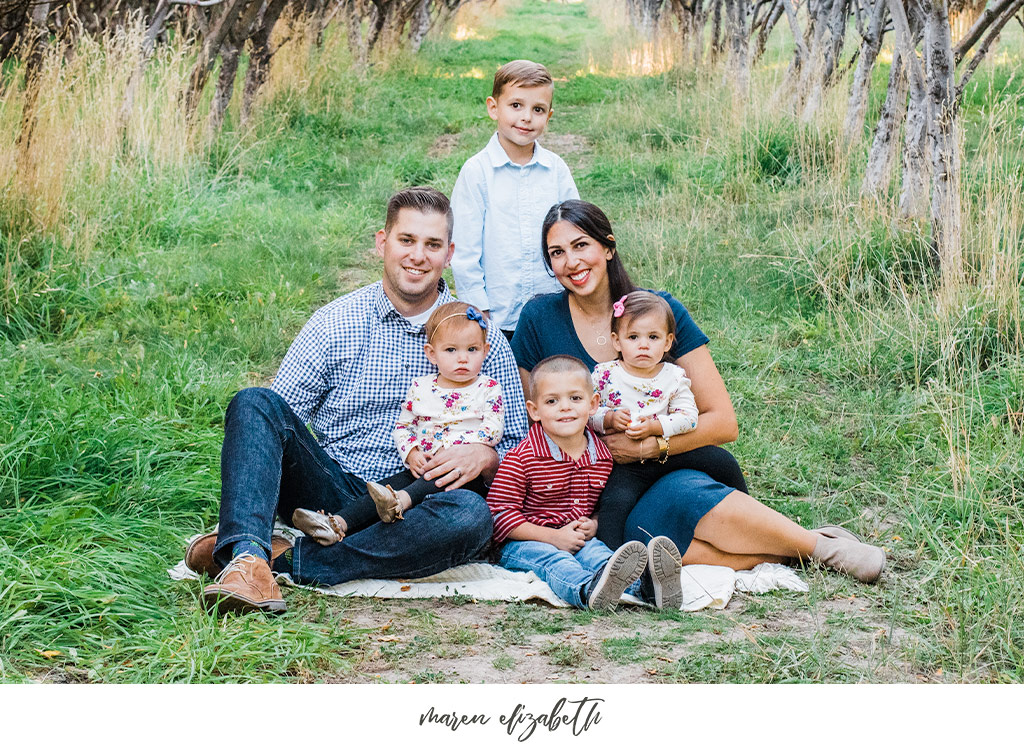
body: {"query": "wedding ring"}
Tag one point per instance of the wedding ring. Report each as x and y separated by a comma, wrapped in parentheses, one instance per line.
(458, 471)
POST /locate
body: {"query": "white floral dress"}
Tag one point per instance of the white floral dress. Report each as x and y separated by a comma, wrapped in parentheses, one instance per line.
(666, 395)
(435, 417)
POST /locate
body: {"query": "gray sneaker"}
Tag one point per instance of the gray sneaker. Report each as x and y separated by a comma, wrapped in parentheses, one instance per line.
(623, 568)
(665, 564)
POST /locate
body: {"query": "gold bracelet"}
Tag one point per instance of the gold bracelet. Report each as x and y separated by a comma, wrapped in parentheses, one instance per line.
(662, 448)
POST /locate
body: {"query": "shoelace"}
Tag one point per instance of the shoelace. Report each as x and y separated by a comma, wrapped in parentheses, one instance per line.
(236, 565)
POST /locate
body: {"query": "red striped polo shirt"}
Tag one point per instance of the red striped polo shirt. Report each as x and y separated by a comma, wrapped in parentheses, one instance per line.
(536, 483)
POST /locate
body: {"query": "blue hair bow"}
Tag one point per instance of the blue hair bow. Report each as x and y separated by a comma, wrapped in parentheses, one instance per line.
(474, 314)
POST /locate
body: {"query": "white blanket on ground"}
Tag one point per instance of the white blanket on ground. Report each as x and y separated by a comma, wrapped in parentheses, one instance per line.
(703, 585)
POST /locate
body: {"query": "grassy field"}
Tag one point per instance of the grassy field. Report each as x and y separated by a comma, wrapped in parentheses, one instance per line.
(145, 282)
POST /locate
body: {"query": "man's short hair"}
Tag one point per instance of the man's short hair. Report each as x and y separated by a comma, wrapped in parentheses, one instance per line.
(422, 198)
(556, 365)
(521, 72)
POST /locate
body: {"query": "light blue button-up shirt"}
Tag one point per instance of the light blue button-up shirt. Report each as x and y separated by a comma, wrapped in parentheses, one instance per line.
(499, 208)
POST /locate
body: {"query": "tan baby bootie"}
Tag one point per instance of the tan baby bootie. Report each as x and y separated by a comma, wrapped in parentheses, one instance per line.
(389, 507)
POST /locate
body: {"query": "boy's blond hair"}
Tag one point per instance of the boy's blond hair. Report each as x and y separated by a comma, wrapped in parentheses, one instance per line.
(521, 72)
(557, 365)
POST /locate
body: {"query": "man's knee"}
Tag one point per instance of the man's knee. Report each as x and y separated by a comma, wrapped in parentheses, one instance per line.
(468, 513)
(255, 400)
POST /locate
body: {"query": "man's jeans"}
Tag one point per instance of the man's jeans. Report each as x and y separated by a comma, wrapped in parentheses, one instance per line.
(563, 571)
(271, 464)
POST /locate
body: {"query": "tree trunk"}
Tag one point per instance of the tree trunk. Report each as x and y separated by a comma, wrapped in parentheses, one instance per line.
(35, 43)
(420, 25)
(945, 145)
(916, 169)
(886, 142)
(260, 56)
(761, 42)
(717, 40)
(155, 29)
(857, 106)
(212, 42)
(739, 53)
(229, 53)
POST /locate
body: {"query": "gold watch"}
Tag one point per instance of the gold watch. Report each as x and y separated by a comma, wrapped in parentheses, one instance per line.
(662, 448)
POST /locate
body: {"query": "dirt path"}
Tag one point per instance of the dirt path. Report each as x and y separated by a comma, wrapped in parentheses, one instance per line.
(836, 633)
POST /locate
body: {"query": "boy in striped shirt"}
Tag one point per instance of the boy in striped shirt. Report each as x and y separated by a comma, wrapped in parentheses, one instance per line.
(543, 497)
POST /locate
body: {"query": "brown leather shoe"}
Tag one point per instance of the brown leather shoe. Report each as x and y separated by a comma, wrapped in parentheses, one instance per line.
(199, 555)
(245, 584)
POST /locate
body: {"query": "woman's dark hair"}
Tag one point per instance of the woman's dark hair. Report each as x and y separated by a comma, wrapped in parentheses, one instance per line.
(591, 220)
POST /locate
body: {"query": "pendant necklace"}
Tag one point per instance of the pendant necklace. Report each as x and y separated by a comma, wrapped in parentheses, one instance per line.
(599, 337)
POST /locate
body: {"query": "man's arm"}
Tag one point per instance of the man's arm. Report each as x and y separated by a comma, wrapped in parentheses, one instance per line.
(501, 365)
(302, 377)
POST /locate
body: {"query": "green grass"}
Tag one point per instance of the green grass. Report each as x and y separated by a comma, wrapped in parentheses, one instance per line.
(124, 334)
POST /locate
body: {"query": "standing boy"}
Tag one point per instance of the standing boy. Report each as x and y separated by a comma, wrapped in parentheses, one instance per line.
(502, 195)
(544, 494)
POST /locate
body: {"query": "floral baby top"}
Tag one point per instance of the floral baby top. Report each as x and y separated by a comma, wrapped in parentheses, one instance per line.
(666, 395)
(435, 417)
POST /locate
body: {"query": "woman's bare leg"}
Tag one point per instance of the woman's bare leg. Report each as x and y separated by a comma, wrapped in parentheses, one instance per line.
(741, 525)
(700, 552)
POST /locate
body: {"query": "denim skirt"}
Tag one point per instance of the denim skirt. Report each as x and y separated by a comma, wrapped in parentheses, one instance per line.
(673, 506)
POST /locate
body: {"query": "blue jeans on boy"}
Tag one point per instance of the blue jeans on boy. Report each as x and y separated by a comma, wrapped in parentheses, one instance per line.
(566, 573)
(271, 465)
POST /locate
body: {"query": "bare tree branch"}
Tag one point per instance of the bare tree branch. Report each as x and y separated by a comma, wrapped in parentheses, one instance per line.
(982, 51)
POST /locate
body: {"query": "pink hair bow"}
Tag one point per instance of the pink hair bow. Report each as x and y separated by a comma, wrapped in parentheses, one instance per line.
(619, 307)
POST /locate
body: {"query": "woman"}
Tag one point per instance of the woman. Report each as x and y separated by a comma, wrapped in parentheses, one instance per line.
(711, 522)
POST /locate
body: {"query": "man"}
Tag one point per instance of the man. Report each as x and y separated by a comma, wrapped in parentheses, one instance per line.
(345, 375)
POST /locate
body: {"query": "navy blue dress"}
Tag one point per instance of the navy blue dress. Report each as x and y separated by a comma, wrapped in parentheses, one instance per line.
(672, 505)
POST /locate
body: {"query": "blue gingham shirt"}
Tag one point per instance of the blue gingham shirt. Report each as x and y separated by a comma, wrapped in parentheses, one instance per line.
(350, 367)
(499, 208)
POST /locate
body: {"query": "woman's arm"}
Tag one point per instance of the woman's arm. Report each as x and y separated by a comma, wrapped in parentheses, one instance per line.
(716, 425)
(524, 377)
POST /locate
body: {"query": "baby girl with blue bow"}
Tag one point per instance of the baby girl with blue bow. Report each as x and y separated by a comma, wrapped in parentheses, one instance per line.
(457, 405)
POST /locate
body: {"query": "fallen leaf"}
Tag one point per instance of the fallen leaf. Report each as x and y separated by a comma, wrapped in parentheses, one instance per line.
(406, 588)
(652, 671)
(50, 653)
(386, 627)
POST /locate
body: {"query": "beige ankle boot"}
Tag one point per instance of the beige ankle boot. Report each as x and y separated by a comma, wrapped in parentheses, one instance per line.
(862, 561)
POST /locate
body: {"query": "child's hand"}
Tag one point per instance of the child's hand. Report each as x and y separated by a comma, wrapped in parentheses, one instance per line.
(588, 526)
(648, 427)
(617, 420)
(417, 462)
(569, 537)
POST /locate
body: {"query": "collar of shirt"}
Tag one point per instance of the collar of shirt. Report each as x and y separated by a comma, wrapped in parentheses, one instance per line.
(385, 309)
(543, 446)
(499, 157)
